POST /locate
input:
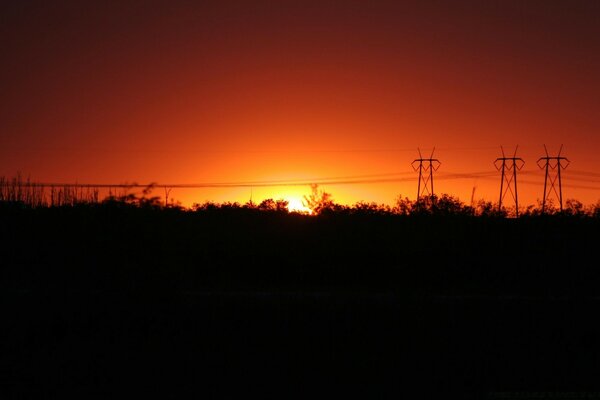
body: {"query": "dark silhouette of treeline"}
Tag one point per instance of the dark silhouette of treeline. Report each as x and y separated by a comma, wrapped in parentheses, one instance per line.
(434, 247)
(428, 298)
(26, 193)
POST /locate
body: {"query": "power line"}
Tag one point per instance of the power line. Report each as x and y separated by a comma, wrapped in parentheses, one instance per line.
(251, 151)
(583, 173)
(308, 182)
(426, 168)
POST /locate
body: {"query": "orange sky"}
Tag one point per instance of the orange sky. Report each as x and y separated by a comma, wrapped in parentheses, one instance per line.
(177, 92)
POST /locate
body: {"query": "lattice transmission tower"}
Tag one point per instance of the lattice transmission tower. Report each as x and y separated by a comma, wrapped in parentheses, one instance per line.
(552, 167)
(426, 167)
(508, 180)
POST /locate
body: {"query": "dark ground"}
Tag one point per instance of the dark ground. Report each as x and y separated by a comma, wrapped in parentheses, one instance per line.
(226, 304)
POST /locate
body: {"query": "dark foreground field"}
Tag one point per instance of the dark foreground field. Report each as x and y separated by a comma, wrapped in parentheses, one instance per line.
(230, 304)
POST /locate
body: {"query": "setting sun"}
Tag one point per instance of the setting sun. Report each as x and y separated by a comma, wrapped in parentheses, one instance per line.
(296, 205)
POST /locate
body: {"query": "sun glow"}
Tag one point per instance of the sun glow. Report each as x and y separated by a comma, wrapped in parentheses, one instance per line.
(296, 205)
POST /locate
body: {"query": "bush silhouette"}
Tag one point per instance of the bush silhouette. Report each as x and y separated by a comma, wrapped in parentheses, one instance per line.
(318, 201)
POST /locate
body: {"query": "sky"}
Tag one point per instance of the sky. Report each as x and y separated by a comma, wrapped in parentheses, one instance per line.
(237, 91)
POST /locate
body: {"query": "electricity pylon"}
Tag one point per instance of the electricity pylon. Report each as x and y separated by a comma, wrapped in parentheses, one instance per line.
(554, 164)
(426, 168)
(509, 167)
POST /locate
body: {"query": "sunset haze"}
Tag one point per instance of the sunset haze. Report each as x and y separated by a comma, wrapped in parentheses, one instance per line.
(237, 92)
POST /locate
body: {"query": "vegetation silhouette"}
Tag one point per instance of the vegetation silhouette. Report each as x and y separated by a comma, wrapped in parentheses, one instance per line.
(362, 300)
(26, 193)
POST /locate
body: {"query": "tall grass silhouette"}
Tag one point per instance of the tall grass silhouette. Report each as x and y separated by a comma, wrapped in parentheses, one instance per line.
(28, 193)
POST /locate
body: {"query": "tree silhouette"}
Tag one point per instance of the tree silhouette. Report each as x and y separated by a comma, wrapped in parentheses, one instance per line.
(318, 200)
(278, 205)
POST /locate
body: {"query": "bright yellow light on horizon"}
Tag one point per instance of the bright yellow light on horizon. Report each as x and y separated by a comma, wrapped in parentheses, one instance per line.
(296, 205)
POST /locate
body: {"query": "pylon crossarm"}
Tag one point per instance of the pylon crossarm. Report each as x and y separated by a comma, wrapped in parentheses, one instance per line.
(519, 164)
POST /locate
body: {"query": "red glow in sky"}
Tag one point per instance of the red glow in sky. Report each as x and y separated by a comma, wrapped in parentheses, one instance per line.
(226, 91)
